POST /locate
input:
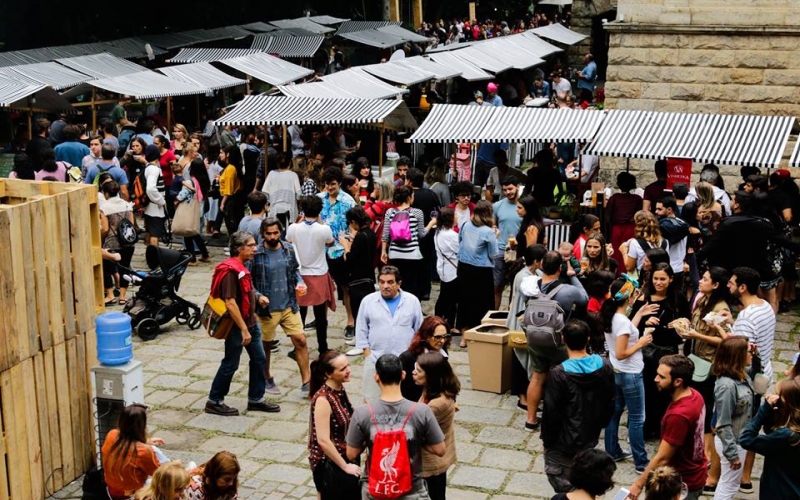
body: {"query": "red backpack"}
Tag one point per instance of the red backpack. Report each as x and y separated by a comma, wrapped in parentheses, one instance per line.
(389, 463)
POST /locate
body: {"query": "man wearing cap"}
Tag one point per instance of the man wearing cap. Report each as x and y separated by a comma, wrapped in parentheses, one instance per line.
(491, 95)
(479, 99)
(154, 215)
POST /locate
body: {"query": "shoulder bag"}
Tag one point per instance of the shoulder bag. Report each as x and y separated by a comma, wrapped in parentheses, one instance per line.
(216, 319)
(186, 222)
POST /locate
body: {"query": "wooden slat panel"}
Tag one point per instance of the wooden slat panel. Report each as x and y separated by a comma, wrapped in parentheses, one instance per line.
(33, 443)
(81, 392)
(90, 344)
(23, 313)
(51, 393)
(64, 412)
(38, 258)
(16, 432)
(5, 491)
(62, 253)
(9, 343)
(53, 268)
(81, 234)
(25, 189)
(44, 422)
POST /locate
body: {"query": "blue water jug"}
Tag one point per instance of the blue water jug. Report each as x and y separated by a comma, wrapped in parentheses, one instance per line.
(114, 342)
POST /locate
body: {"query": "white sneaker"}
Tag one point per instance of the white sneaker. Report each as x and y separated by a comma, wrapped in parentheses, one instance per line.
(355, 352)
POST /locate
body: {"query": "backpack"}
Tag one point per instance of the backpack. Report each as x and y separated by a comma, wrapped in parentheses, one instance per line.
(140, 199)
(126, 232)
(389, 464)
(673, 229)
(100, 172)
(543, 320)
(400, 228)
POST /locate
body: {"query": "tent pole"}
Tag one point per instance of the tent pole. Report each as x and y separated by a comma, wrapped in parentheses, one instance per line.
(169, 112)
(197, 108)
(30, 120)
(285, 138)
(380, 151)
(94, 110)
(627, 164)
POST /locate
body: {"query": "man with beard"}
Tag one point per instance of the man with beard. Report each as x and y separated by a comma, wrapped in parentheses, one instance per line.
(681, 444)
(508, 222)
(276, 278)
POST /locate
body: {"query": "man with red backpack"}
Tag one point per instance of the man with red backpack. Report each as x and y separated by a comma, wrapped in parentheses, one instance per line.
(396, 431)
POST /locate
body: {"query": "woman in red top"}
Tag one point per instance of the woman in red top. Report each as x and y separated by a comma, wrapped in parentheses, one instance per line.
(166, 160)
(620, 210)
(127, 455)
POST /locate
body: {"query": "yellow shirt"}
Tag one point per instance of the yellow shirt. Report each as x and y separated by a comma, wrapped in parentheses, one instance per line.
(229, 181)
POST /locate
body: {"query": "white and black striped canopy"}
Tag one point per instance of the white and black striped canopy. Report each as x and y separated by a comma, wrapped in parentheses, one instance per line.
(47, 73)
(559, 33)
(442, 72)
(288, 46)
(327, 20)
(707, 138)
(142, 85)
(455, 62)
(384, 36)
(395, 72)
(202, 75)
(101, 65)
(351, 26)
(193, 55)
(467, 123)
(277, 110)
(352, 83)
(303, 23)
(21, 94)
(794, 161)
(267, 68)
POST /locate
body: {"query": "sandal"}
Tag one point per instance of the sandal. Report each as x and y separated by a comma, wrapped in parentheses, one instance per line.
(205, 259)
(110, 302)
(122, 302)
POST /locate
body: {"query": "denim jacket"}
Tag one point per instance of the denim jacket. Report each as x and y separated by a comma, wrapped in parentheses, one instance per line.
(733, 401)
(259, 269)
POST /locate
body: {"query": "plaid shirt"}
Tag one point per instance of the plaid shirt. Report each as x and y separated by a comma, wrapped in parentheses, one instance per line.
(333, 214)
(309, 188)
(260, 272)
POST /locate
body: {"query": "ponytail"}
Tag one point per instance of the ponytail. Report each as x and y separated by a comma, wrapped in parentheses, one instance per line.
(321, 369)
(609, 307)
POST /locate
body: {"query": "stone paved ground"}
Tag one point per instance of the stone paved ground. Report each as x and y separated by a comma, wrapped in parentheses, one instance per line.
(497, 459)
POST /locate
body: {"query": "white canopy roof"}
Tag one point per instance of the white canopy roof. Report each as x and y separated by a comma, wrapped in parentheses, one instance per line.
(559, 33)
(395, 72)
(277, 110)
(142, 85)
(454, 61)
(384, 36)
(327, 20)
(288, 46)
(24, 95)
(707, 138)
(353, 83)
(442, 71)
(192, 55)
(202, 75)
(303, 23)
(101, 65)
(47, 73)
(472, 123)
(351, 26)
(268, 68)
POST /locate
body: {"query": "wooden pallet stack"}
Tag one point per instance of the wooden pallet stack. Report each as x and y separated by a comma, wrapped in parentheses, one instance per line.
(51, 289)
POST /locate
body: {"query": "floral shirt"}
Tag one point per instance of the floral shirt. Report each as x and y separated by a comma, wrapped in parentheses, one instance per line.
(196, 491)
(333, 215)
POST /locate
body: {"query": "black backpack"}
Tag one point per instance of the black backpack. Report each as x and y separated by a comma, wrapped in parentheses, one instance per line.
(126, 232)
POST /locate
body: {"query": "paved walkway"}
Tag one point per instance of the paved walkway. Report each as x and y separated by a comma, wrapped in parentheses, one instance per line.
(497, 459)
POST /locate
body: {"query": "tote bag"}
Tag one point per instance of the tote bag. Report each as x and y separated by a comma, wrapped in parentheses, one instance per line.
(186, 222)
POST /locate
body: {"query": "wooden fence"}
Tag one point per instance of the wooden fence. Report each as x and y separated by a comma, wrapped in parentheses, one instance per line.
(51, 289)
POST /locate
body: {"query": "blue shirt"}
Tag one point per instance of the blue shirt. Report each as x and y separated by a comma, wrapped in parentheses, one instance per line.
(392, 304)
(116, 173)
(589, 76)
(477, 245)
(147, 138)
(497, 101)
(253, 226)
(535, 91)
(72, 152)
(508, 222)
(589, 364)
(276, 274)
(382, 332)
(487, 149)
(333, 215)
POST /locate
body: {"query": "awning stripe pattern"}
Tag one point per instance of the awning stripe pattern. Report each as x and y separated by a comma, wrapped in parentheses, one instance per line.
(454, 61)
(707, 138)
(259, 27)
(12, 91)
(302, 23)
(384, 37)
(276, 110)
(147, 85)
(101, 65)
(352, 26)
(327, 20)
(395, 72)
(268, 68)
(794, 161)
(202, 75)
(288, 46)
(559, 33)
(468, 123)
(16, 94)
(442, 72)
(193, 55)
(48, 73)
(353, 83)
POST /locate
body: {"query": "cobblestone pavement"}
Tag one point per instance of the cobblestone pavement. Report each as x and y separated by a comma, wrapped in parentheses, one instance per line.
(497, 459)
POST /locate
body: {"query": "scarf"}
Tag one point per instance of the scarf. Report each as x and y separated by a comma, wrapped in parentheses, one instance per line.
(233, 265)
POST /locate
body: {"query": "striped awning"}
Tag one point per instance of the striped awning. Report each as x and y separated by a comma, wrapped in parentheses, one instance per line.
(707, 138)
(794, 161)
(228, 32)
(327, 20)
(202, 75)
(352, 26)
(276, 110)
(24, 95)
(395, 72)
(178, 39)
(469, 71)
(559, 33)
(470, 123)
(353, 83)
(399, 31)
(142, 85)
(101, 65)
(302, 23)
(288, 46)
(384, 37)
(508, 54)
(47, 73)
(442, 71)
(193, 55)
(127, 48)
(259, 27)
(267, 68)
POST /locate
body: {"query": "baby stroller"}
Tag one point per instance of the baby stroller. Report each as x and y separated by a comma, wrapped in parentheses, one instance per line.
(157, 302)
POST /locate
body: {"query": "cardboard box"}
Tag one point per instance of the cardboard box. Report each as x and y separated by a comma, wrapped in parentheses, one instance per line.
(489, 358)
(495, 318)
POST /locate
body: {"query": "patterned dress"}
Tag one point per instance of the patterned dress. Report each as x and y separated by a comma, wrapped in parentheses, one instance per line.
(341, 411)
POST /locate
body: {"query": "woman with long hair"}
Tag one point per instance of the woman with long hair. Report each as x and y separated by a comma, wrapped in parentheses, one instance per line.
(180, 138)
(366, 182)
(440, 387)
(586, 226)
(168, 483)
(199, 186)
(733, 400)
(230, 187)
(647, 234)
(595, 254)
(217, 479)
(694, 244)
(331, 411)
(476, 251)
(127, 455)
(625, 353)
(709, 209)
(591, 474)
(133, 161)
(619, 212)
(531, 229)
(437, 179)
(432, 336)
(702, 340)
(22, 168)
(662, 290)
(446, 243)
(359, 255)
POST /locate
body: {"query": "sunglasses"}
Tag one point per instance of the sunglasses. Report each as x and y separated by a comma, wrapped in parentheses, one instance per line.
(441, 338)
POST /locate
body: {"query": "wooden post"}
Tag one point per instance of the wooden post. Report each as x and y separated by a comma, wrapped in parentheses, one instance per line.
(380, 151)
(94, 110)
(472, 11)
(285, 138)
(416, 7)
(394, 10)
(169, 112)
(30, 121)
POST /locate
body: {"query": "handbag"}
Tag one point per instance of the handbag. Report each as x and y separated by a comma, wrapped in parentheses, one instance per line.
(338, 483)
(216, 319)
(186, 222)
(94, 485)
(702, 367)
(760, 381)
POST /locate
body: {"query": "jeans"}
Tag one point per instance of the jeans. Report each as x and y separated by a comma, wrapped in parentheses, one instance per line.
(195, 242)
(630, 392)
(729, 479)
(230, 363)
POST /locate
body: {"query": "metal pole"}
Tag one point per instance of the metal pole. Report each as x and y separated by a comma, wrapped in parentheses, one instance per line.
(627, 164)
(380, 151)
(30, 121)
(94, 110)
(169, 112)
(285, 138)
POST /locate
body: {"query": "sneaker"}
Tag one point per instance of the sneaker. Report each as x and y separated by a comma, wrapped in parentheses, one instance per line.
(311, 326)
(272, 387)
(274, 345)
(639, 471)
(220, 409)
(355, 352)
(708, 490)
(350, 341)
(263, 406)
(350, 332)
(292, 354)
(626, 455)
(530, 427)
(304, 389)
(522, 407)
(746, 488)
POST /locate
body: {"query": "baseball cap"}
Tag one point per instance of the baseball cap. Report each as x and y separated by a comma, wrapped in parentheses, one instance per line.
(151, 153)
(782, 173)
(492, 87)
(478, 94)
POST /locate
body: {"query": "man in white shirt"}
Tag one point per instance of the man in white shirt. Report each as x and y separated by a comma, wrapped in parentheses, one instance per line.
(154, 214)
(561, 86)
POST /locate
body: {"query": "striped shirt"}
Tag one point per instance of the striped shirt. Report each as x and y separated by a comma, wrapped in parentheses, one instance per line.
(757, 323)
(406, 251)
